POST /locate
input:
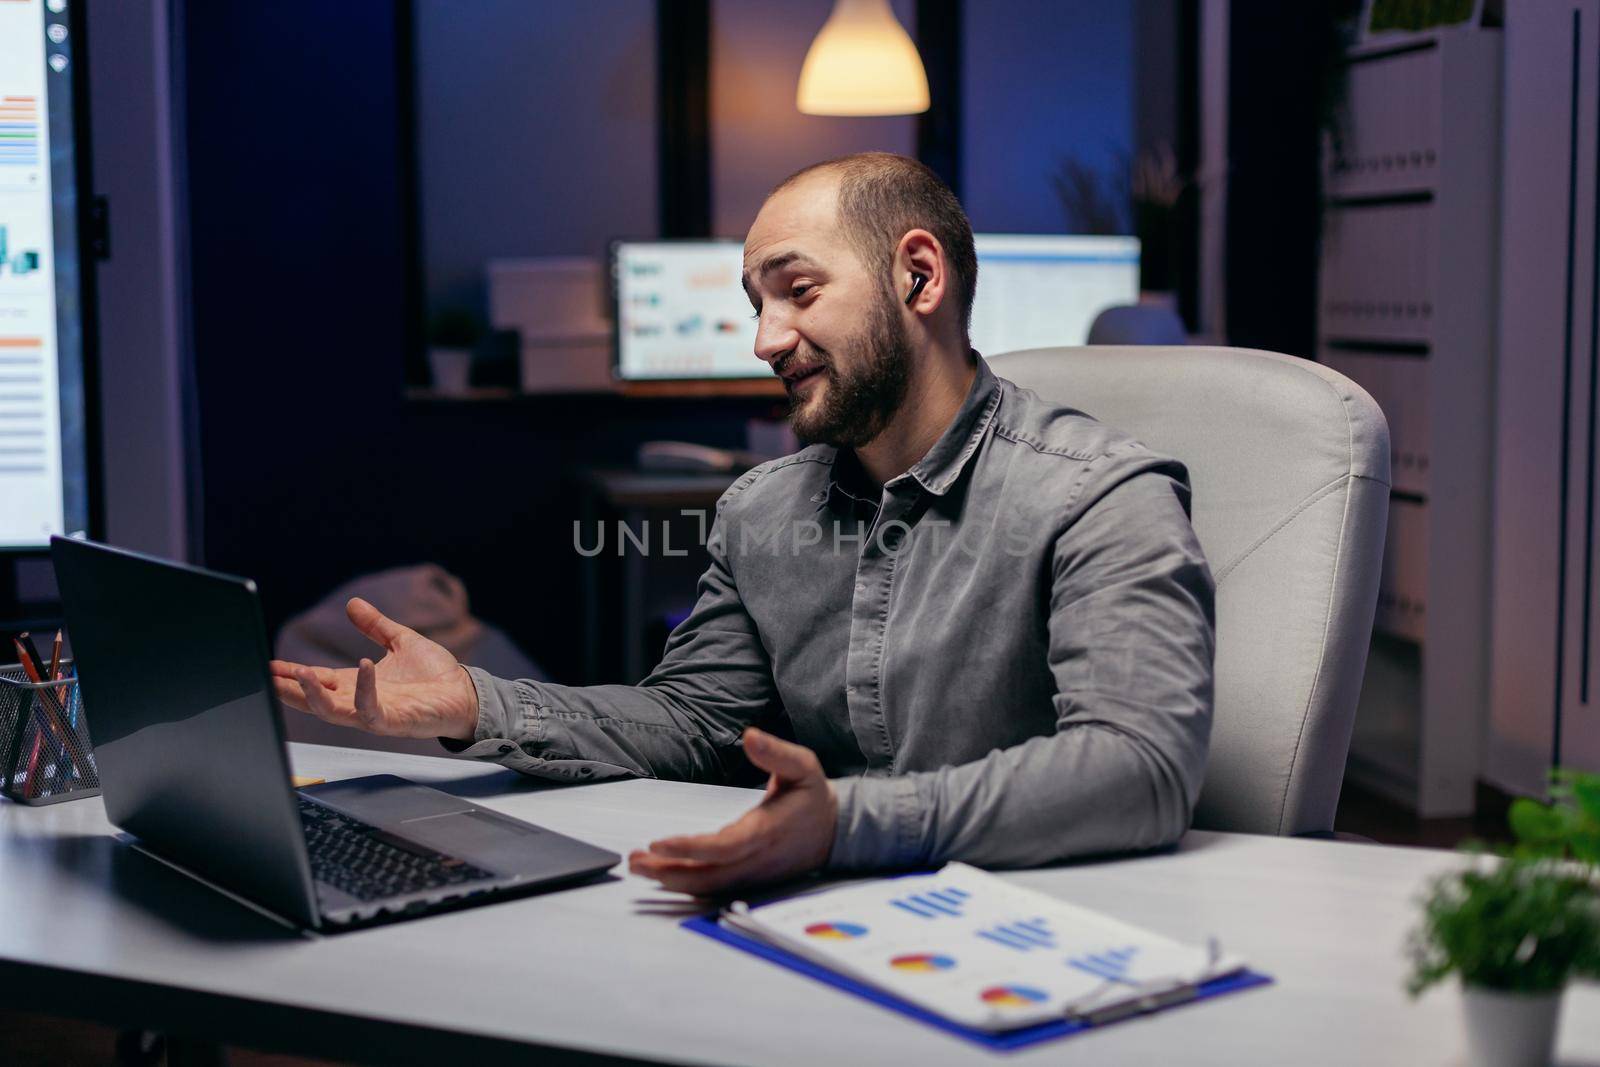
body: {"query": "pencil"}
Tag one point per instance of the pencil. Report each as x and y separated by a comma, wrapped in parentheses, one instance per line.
(33, 764)
(55, 670)
(26, 656)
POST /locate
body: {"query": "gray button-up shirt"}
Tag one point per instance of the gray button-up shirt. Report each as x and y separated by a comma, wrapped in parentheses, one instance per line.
(1004, 656)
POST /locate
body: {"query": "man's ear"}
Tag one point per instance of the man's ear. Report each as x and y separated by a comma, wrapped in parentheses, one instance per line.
(920, 253)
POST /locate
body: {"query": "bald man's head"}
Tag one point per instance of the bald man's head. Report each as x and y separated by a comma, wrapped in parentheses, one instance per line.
(881, 198)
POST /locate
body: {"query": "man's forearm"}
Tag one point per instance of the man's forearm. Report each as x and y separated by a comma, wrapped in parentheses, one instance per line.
(682, 722)
(1089, 789)
(651, 730)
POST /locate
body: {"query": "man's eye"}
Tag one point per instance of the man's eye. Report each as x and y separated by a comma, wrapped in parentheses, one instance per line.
(799, 291)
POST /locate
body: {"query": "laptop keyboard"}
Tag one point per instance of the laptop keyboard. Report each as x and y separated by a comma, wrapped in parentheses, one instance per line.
(369, 863)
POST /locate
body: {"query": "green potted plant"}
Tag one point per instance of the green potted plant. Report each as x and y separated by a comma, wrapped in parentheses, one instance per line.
(1568, 828)
(1515, 928)
(453, 336)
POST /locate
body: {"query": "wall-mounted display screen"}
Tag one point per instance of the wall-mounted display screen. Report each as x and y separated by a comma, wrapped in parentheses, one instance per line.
(43, 451)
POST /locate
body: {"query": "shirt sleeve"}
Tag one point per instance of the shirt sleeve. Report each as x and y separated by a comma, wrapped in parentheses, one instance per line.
(684, 721)
(1131, 647)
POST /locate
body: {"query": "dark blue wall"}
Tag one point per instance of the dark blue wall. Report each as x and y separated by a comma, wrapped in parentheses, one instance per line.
(1043, 79)
(498, 83)
(314, 466)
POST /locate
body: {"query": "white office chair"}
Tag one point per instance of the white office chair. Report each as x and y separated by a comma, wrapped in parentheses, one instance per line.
(1289, 463)
(1137, 324)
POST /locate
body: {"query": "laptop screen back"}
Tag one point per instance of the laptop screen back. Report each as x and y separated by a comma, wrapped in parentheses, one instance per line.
(172, 665)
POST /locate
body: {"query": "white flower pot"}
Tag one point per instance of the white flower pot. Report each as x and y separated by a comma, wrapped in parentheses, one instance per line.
(1510, 1029)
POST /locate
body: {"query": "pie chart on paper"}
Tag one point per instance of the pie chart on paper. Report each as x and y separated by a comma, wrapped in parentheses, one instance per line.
(1013, 996)
(922, 961)
(836, 931)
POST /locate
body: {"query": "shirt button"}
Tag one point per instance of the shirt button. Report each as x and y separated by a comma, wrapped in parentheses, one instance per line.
(506, 749)
(861, 587)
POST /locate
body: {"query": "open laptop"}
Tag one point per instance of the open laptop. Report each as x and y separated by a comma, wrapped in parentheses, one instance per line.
(189, 746)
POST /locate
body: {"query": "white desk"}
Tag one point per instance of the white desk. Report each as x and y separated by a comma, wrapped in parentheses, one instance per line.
(90, 928)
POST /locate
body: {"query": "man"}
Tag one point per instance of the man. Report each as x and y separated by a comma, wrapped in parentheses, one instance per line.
(983, 616)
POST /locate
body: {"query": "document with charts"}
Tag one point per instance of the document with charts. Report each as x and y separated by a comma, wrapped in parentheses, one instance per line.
(979, 951)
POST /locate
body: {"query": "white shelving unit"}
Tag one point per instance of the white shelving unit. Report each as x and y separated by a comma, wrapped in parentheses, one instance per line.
(1408, 293)
(1545, 670)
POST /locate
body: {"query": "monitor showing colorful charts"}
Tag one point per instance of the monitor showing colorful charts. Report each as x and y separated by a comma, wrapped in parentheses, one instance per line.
(681, 312)
(44, 469)
(1042, 291)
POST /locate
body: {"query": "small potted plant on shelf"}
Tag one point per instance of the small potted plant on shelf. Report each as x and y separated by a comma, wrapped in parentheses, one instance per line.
(453, 336)
(1515, 928)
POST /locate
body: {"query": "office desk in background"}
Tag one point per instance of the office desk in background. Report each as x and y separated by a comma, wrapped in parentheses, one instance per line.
(603, 972)
(646, 584)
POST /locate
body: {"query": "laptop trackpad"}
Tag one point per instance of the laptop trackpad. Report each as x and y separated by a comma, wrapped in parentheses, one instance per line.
(473, 835)
(384, 799)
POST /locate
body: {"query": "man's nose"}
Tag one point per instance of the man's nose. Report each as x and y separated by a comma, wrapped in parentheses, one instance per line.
(775, 336)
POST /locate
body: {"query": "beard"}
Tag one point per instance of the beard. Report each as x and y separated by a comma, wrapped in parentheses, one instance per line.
(857, 404)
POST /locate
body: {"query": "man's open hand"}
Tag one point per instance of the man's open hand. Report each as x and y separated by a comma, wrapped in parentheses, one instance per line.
(416, 690)
(789, 833)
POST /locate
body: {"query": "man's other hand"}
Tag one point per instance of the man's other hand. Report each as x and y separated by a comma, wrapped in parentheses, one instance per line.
(416, 690)
(789, 833)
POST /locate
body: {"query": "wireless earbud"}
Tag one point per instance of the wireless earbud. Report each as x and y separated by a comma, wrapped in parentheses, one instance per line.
(917, 282)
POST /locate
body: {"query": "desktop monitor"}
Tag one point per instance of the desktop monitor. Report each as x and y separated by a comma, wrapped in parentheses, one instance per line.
(1042, 291)
(45, 295)
(681, 312)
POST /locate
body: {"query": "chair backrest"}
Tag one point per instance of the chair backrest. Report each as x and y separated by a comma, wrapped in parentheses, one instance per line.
(1137, 324)
(1289, 463)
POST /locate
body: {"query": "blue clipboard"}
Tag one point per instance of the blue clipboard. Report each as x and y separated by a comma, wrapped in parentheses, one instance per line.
(1004, 1041)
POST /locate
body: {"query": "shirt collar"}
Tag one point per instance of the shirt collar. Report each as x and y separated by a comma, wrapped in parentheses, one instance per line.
(938, 470)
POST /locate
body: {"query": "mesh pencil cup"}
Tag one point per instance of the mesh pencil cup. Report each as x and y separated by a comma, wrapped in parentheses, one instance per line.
(45, 755)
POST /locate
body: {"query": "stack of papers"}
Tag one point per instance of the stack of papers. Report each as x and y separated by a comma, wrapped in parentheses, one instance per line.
(981, 952)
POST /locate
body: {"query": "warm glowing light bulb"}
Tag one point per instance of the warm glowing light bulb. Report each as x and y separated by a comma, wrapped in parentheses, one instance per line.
(862, 63)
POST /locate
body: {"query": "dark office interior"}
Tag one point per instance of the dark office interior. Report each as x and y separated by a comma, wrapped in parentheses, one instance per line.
(348, 303)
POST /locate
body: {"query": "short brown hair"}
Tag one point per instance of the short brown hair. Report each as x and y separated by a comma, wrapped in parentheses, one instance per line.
(882, 197)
